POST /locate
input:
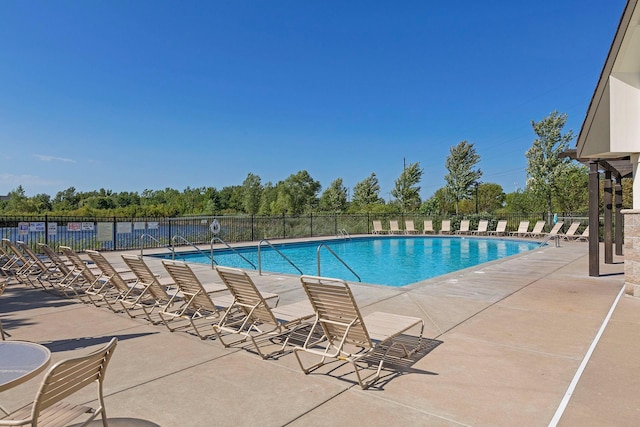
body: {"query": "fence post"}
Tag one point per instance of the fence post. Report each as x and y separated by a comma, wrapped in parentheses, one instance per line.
(311, 224)
(46, 229)
(115, 233)
(284, 226)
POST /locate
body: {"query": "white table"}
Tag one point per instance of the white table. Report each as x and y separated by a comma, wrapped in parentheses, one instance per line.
(20, 361)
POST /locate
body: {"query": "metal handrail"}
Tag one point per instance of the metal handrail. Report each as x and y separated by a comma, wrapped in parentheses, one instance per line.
(337, 257)
(232, 249)
(278, 252)
(549, 237)
(149, 236)
(188, 243)
(344, 234)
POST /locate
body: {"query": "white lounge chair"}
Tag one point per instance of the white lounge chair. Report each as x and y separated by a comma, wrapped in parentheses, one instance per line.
(428, 227)
(464, 227)
(377, 227)
(483, 224)
(555, 230)
(571, 232)
(501, 229)
(537, 229)
(445, 227)
(409, 227)
(393, 227)
(523, 229)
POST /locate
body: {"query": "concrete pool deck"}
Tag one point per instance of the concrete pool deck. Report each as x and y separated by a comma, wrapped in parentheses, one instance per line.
(505, 342)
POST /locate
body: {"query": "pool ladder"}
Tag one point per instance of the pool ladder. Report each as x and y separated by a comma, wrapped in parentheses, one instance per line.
(278, 252)
(556, 237)
(344, 234)
(337, 257)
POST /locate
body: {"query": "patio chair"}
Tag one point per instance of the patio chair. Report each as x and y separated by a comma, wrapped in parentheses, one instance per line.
(409, 227)
(501, 229)
(537, 229)
(571, 232)
(65, 267)
(464, 227)
(349, 336)
(197, 303)
(428, 227)
(584, 237)
(377, 227)
(555, 230)
(18, 264)
(40, 271)
(523, 229)
(483, 224)
(112, 286)
(151, 293)
(81, 278)
(61, 381)
(445, 227)
(393, 227)
(256, 319)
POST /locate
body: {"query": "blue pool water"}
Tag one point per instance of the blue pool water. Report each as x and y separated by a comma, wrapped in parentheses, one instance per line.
(392, 261)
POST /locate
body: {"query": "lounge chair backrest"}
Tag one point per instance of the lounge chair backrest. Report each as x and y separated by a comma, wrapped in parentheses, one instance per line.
(107, 270)
(483, 224)
(79, 264)
(17, 252)
(428, 225)
(35, 259)
(70, 375)
(464, 225)
(377, 225)
(55, 258)
(336, 310)
(246, 295)
(538, 227)
(502, 226)
(189, 285)
(146, 277)
(409, 226)
(446, 225)
(523, 227)
(393, 225)
(573, 228)
(556, 227)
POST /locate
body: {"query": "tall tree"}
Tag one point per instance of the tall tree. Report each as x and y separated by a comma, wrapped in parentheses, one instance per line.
(406, 190)
(367, 191)
(334, 198)
(462, 176)
(572, 192)
(544, 166)
(252, 192)
(298, 193)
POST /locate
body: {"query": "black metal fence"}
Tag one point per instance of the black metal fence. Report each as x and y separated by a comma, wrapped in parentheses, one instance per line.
(81, 233)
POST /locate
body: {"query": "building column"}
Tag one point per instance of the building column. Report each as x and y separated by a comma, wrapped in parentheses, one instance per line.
(608, 218)
(594, 221)
(618, 220)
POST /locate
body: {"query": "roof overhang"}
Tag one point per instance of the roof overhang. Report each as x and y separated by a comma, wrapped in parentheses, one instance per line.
(611, 129)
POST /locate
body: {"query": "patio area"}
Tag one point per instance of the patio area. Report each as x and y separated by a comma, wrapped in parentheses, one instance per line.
(504, 342)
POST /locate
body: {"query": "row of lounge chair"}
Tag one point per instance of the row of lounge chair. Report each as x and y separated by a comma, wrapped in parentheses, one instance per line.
(328, 324)
(482, 230)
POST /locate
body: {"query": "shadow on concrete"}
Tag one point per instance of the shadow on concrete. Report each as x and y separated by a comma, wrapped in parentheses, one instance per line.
(77, 343)
(120, 422)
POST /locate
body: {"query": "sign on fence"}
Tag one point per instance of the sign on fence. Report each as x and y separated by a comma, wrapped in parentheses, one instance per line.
(23, 228)
(52, 228)
(105, 232)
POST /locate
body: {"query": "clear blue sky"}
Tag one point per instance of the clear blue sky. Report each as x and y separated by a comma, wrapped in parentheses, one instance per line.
(134, 95)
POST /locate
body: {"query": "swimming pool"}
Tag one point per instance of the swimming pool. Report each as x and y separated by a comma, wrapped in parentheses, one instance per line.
(391, 261)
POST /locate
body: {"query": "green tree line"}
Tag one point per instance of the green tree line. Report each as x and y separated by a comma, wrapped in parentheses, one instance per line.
(553, 185)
